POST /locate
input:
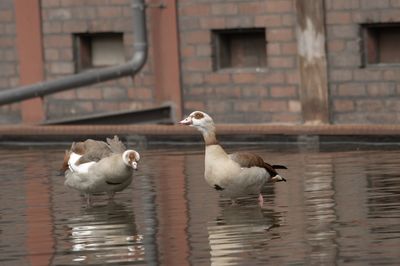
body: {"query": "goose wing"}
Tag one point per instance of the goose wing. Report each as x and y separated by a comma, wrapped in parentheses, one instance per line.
(91, 150)
(248, 159)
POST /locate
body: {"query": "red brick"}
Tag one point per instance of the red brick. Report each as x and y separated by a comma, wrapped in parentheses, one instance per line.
(343, 105)
(75, 26)
(372, 4)
(367, 75)
(54, 41)
(197, 10)
(243, 78)
(198, 65)
(194, 105)
(140, 93)
(51, 54)
(370, 105)
(336, 46)
(288, 20)
(61, 68)
(286, 118)
(52, 27)
(217, 78)
(109, 11)
(193, 78)
(203, 50)
(274, 106)
(281, 62)
(218, 106)
(252, 92)
(344, 4)
(6, 15)
(338, 17)
(195, 37)
(228, 92)
(212, 23)
(381, 89)
(49, 3)
(279, 6)
(89, 93)
(351, 89)
(251, 8)
(114, 93)
(239, 22)
(340, 75)
(246, 106)
(273, 49)
(283, 91)
(295, 106)
(224, 9)
(292, 77)
(289, 48)
(188, 51)
(272, 78)
(65, 95)
(282, 34)
(268, 21)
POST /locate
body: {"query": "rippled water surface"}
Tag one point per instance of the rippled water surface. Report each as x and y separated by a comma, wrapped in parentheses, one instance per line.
(336, 208)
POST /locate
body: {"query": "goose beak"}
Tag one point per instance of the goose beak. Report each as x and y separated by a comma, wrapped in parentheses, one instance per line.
(187, 121)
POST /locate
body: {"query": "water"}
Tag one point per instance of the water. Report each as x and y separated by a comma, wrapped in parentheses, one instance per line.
(336, 208)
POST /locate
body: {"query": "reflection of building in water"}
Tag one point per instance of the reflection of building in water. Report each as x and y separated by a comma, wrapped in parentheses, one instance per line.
(104, 234)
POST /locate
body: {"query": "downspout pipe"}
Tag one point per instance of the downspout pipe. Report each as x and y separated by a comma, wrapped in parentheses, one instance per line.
(94, 76)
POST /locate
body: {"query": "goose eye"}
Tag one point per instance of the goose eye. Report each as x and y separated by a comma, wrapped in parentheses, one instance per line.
(198, 115)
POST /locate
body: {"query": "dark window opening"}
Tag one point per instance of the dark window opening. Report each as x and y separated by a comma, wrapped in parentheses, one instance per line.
(239, 48)
(94, 50)
(381, 43)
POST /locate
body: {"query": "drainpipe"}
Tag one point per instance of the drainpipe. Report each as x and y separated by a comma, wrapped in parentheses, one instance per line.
(90, 77)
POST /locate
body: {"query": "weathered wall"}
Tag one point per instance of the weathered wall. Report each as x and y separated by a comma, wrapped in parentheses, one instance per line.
(360, 94)
(271, 94)
(63, 18)
(8, 60)
(240, 95)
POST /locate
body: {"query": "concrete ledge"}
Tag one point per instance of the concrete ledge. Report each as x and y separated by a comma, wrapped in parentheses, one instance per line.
(233, 132)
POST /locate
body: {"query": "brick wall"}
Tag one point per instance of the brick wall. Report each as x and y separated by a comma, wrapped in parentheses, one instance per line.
(8, 60)
(240, 95)
(360, 94)
(63, 18)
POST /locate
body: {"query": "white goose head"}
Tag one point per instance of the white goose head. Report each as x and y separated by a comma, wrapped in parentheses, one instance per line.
(199, 120)
(131, 158)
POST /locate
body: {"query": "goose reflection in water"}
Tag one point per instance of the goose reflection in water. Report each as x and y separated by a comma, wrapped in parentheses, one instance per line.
(105, 234)
(239, 231)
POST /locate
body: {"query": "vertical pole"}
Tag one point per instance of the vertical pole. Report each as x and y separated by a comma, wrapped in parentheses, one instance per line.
(165, 43)
(30, 54)
(312, 61)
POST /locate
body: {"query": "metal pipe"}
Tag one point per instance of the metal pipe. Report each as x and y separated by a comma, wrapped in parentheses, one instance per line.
(95, 76)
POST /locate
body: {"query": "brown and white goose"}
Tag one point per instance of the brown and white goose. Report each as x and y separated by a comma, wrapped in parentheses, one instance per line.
(97, 166)
(234, 175)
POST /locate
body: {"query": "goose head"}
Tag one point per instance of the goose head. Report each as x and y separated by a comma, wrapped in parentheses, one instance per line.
(131, 158)
(199, 120)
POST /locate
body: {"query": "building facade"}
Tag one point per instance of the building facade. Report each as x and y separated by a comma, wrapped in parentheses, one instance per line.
(258, 61)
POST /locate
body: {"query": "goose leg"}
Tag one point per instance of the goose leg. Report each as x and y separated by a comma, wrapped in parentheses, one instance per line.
(260, 200)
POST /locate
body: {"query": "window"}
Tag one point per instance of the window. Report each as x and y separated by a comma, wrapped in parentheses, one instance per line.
(98, 50)
(381, 43)
(239, 48)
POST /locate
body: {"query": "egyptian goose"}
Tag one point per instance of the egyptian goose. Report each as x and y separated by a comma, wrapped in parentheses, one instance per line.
(234, 175)
(97, 166)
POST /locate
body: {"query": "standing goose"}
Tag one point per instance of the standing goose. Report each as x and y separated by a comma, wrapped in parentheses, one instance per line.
(234, 175)
(97, 166)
